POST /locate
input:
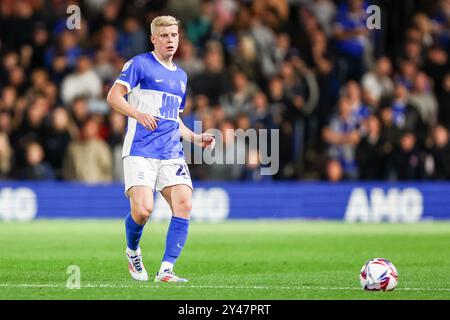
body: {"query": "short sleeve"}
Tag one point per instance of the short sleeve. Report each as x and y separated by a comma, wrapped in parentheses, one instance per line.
(183, 90)
(183, 102)
(130, 75)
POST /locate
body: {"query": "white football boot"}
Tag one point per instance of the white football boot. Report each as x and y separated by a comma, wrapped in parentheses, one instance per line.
(135, 265)
(168, 276)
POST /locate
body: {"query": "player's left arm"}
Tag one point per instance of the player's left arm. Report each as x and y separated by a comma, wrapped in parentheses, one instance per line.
(204, 140)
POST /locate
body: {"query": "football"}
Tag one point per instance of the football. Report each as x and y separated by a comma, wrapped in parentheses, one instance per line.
(378, 274)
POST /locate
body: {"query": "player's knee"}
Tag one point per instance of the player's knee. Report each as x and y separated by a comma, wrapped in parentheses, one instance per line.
(142, 212)
(183, 207)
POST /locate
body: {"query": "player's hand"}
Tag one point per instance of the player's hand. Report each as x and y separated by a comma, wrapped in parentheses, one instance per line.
(148, 121)
(205, 140)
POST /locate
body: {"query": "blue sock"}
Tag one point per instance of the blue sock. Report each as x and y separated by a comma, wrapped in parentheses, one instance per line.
(176, 237)
(133, 231)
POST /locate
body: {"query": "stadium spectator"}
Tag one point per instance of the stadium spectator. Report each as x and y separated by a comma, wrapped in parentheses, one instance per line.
(198, 29)
(359, 110)
(370, 152)
(324, 64)
(252, 169)
(39, 82)
(132, 39)
(278, 108)
(20, 25)
(83, 82)
(115, 140)
(334, 171)
(282, 50)
(188, 59)
(405, 116)
(279, 8)
(6, 122)
(79, 110)
(413, 51)
(107, 39)
(259, 113)
(444, 102)
(440, 21)
(17, 79)
(265, 40)
(59, 68)
(88, 159)
(407, 159)
(292, 87)
(441, 153)
(301, 89)
(187, 10)
(52, 94)
(110, 15)
(35, 167)
(423, 25)
(277, 99)
(8, 99)
(352, 38)
(218, 114)
(62, 131)
(67, 47)
(389, 130)
(212, 81)
(229, 150)
(377, 84)
(243, 121)
(10, 59)
(39, 46)
(104, 66)
(342, 135)
(423, 100)
(246, 59)
(6, 156)
(436, 66)
(238, 100)
(407, 74)
(324, 11)
(31, 128)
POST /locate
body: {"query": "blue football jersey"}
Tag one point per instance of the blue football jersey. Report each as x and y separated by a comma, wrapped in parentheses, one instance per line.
(155, 89)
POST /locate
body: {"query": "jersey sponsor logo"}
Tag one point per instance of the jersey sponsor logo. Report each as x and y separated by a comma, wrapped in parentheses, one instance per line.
(127, 65)
(169, 106)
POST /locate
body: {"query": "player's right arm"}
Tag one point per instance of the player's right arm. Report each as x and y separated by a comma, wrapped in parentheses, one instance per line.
(117, 101)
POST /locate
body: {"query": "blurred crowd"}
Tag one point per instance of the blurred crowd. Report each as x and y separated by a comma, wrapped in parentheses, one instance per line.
(350, 103)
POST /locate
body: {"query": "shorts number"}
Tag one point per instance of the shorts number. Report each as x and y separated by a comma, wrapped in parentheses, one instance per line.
(182, 170)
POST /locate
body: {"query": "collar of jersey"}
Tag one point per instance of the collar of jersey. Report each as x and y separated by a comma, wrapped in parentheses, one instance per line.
(161, 63)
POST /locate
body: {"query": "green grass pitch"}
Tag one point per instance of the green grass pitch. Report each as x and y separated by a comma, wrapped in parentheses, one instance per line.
(230, 260)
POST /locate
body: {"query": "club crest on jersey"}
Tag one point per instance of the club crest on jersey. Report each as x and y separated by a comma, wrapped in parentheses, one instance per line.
(183, 87)
(127, 65)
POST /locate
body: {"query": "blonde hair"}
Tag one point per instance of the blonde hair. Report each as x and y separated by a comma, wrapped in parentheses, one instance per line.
(163, 21)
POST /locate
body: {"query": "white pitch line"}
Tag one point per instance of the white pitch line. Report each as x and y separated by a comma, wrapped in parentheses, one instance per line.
(89, 285)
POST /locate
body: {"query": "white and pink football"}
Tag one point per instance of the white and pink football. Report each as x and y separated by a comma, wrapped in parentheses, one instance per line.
(378, 274)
